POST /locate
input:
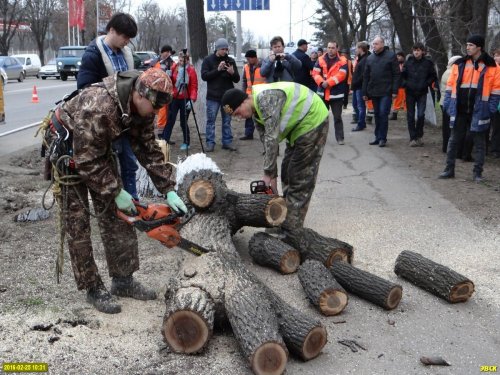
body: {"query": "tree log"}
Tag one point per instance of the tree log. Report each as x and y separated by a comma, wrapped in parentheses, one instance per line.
(269, 251)
(312, 245)
(433, 277)
(367, 286)
(202, 187)
(188, 321)
(321, 288)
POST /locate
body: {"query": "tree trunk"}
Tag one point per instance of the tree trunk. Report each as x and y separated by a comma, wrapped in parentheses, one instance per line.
(321, 288)
(367, 286)
(402, 18)
(269, 251)
(433, 277)
(197, 29)
(312, 245)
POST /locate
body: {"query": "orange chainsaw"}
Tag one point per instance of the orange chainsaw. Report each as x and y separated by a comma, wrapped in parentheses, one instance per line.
(260, 187)
(160, 222)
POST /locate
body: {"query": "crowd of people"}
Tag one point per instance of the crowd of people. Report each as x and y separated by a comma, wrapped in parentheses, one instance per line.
(284, 96)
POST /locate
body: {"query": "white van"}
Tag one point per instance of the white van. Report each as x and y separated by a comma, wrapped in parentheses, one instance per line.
(31, 64)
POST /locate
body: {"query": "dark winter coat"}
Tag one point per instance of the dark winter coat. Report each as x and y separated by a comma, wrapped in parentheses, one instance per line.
(382, 75)
(418, 75)
(218, 81)
(303, 75)
(357, 77)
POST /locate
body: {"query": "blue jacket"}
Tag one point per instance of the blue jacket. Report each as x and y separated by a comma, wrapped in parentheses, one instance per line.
(92, 69)
(303, 75)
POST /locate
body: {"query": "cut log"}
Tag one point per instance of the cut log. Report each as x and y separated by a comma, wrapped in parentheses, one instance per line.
(204, 189)
(368, 286)
(433, 277)
(259, 210)
(321, 288)
(304, 336)
(312, 245)
(255, 327)
(269, 251)
(188, 321)
(201, 194)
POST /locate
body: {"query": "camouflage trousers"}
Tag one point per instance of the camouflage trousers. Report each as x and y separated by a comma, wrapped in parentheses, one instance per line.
(299, 170)
(119, 238)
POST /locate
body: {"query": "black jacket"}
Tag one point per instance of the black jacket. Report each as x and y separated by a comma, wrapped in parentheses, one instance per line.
(218, 81)
(418, 75)
(92, 69)
(382, 75)
(357, 77)
(303, 75)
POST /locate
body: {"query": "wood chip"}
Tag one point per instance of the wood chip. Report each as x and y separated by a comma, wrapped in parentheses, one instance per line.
(437, 361)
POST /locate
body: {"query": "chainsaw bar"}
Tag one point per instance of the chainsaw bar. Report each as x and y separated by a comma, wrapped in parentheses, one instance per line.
(192, 247)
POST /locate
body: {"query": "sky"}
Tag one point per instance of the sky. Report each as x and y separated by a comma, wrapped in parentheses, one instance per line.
(267, 23)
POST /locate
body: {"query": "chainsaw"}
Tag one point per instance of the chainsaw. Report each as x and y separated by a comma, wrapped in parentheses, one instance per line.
(260, 187)
(158, 221)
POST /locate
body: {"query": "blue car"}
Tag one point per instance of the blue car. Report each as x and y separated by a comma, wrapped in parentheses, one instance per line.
(12, 67)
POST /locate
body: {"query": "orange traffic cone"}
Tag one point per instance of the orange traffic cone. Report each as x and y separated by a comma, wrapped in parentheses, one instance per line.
(34, 96)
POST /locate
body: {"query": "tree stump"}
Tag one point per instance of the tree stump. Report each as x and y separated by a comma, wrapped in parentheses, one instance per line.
(188, 321)
(367, 286)
(321, 288)
(433, 277)
(312, 245)
(269, 251)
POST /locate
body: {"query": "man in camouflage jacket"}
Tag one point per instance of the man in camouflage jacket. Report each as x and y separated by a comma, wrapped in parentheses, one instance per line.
(97, 116)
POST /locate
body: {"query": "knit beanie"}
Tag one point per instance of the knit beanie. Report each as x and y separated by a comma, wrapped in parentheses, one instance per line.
(232, 99)
(477, 40)
(221, 43)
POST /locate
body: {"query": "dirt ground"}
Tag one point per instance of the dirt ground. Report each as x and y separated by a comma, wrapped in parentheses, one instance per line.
(41, 321)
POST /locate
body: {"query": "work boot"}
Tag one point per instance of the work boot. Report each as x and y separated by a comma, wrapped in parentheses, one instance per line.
(102, 300)
(413, 143)
(449, 172)
(354, 119)
(394, 116)
(128, 287)
(477, 177)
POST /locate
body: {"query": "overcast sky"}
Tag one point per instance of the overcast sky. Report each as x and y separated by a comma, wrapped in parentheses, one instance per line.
(268, 23)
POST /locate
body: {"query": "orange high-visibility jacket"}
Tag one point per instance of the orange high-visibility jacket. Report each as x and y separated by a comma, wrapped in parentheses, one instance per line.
(335, 76)
(481, 79)
(249, 81)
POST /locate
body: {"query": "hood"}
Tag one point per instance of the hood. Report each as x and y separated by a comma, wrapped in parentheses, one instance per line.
(484, 57)
(120, 86)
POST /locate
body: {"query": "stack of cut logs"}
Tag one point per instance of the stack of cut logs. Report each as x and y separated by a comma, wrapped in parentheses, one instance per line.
(216, 288)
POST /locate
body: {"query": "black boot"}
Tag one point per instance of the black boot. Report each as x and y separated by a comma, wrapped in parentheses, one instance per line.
(369, 120)
(128, 287)
(354, 119)
(394, 116)
(449, 172)
(477, 177)
(102, 300)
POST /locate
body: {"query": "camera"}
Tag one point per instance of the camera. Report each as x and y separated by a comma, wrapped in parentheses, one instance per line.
(184, 50)
(278, 57)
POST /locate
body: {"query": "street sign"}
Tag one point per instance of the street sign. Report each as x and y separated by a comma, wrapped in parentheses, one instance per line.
(232, 5)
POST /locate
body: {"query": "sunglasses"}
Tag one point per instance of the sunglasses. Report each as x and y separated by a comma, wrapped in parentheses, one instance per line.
(158, 99)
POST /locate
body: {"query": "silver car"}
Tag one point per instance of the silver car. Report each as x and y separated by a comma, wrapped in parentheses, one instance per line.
(12, 67)
(49, 70)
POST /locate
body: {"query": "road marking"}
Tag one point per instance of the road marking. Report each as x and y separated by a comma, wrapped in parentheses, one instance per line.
(20, 129)
(39, 88)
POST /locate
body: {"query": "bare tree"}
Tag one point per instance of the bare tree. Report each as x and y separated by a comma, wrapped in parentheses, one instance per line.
(221, 26)
(197, 29)
(11, 12)
(402, 17)
(39, 14)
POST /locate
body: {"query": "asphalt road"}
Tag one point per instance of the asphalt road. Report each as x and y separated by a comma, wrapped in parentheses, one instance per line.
(20, 112)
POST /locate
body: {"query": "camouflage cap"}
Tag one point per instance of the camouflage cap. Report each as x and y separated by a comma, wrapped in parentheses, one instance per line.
(155, 85)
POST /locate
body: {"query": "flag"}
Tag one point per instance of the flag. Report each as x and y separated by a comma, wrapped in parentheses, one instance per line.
(80, 14)
(72, 12)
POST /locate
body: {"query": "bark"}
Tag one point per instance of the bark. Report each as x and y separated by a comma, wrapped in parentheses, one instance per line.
(312, 245)
(321, 288)
(401, 16)
(197, 29)
(367, 286)
(269, 251)
(433, 277)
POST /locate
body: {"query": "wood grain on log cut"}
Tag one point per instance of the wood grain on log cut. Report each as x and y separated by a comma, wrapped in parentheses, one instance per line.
(269, 251)
(321, 288)
(201, 193)
(367, 286)
(313, 245)
(255, 327)
(433, 277)
(188, 321)
(304, 336)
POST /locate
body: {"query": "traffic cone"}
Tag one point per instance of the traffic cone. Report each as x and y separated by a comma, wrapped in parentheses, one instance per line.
(34, 96)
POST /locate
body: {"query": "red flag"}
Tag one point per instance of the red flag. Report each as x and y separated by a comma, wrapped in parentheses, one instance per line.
(72, 13)
(80, 14)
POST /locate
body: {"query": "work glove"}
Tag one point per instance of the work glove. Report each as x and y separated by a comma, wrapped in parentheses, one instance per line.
(124, 202)
(175, 202)
(188, 106)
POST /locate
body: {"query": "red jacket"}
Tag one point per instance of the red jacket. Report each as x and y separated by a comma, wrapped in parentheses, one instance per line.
(192, 84)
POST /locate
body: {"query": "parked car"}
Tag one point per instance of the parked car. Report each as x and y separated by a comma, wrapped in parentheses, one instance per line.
(12, 67)
(4, 76)
(69, 59)
(146, 58)
(49, 70)
(31, 64)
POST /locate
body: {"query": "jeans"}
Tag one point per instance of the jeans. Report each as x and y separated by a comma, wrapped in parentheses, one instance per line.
(336, 106)
(128, 165)
(355, 108)
(458, 132)
(382, 108)
(213, 107)
(176, 106)
(420, 101)
(249, 127)
(361, 108)
(495, 133)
